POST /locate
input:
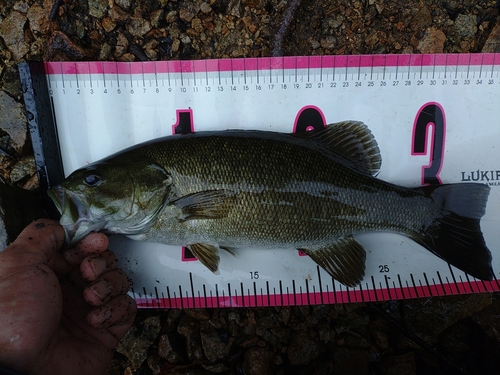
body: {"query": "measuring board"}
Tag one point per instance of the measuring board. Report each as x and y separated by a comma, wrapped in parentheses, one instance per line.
(435, 118)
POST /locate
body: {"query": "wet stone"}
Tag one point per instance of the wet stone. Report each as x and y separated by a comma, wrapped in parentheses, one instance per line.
(13, 121)
(125, 4)
(166, 351)
(466, 25)
(432, 42)
(24, 168)
(303, 349)
(399, 364)
(138, 26)
(98, 8)
(258, 361)
(213, 347)
(492, 44)
(350, 361)
(137, 341)
(430, 316)
(12, 32)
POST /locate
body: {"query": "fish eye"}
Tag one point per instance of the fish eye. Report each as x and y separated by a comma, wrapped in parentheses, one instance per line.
(92, 178)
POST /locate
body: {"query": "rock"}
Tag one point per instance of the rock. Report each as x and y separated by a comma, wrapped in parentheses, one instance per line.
(98, 8)
(188, 10)
(492, 44)
(399, 364)
(136, 343)
(23, 168)
(303, 349)
(118, 15)
(108, 24)
(138, 26)
(432, 42)
(12, 32)
(39, 18)
(431, 316)
(350, 361)
(489, 319)
(62, 47)
(205, 8)
(198, 314)
(11, 82)
(466, 26)
(125, 4)
(213, 347)
(258, 361)
(328, 42)
(421, 20)
(121, 44)
(13, 122)
(156, 18)
(166, 351)
(189, 328)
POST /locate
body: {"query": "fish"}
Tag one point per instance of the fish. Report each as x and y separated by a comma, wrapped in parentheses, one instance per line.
(313, 191)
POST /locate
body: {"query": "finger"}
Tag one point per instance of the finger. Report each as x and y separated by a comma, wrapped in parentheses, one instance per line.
(92, 244)
(38, 243)
(94, 266)
(117, 315)
(108, 286)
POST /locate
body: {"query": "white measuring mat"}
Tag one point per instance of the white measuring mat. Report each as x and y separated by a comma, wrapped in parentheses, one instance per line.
(434, 117)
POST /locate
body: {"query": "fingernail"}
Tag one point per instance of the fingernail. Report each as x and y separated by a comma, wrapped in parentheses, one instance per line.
(98, 265)
(102, 289)
(103, 314)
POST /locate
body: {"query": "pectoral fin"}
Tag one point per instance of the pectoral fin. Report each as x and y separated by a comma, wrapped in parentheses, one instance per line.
(344, 260)
(212, 204)
(207, 254)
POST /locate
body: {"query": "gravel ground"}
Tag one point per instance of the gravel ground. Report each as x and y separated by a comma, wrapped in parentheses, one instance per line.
(452, 335)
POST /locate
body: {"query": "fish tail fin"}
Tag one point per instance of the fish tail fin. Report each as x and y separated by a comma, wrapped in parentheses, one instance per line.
(455, 234)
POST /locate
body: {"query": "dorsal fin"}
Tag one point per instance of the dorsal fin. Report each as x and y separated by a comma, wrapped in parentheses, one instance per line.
(353, 141)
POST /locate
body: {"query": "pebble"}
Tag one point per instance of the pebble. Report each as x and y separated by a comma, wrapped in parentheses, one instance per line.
(303, 349)
(12, 32)
(136, 343)
(13, 121)
(138, 26)
(258, 361)
(492, 44)
(23, 168)
(39, 18)
(98, 8)
(432, 42)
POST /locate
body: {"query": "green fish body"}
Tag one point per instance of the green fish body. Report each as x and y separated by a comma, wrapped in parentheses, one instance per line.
(312, 191)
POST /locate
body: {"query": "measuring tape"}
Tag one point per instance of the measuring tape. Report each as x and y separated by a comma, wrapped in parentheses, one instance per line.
(434, 118)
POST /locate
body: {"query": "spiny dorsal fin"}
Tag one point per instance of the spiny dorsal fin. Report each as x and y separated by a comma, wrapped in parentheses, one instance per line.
(353, 141)
(343, 260)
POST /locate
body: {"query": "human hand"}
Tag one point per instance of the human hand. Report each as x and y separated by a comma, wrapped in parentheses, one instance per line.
(61, 312)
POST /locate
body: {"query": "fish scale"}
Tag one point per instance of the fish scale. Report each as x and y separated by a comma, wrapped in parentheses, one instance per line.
(303, 177)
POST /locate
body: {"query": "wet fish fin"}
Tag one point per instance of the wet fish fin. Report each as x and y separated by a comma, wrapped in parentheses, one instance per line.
(207, 254)
(229, 250)
(344, 260)
(211, 204)
(455, 234)
(353, 141)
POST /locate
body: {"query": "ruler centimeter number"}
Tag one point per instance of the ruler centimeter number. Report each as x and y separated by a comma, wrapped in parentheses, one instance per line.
(433, 116)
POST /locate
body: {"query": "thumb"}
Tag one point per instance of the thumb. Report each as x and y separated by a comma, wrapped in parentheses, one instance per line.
(38, 243)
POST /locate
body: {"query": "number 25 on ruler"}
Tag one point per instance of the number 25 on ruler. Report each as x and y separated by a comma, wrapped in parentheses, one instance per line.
(429, 118)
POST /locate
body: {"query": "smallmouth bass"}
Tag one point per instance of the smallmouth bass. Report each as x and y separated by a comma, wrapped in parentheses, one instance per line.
(313, 191)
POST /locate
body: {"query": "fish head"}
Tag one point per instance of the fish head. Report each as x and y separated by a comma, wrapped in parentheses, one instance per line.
(111, 196)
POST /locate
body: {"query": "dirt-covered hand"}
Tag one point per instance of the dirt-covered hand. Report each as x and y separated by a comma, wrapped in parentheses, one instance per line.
(61, 312)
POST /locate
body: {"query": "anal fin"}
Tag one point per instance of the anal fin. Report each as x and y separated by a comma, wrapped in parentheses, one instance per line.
(207, 254)
(344, 260)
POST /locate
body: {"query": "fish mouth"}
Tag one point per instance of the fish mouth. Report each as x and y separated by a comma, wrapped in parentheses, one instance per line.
(74, 214)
